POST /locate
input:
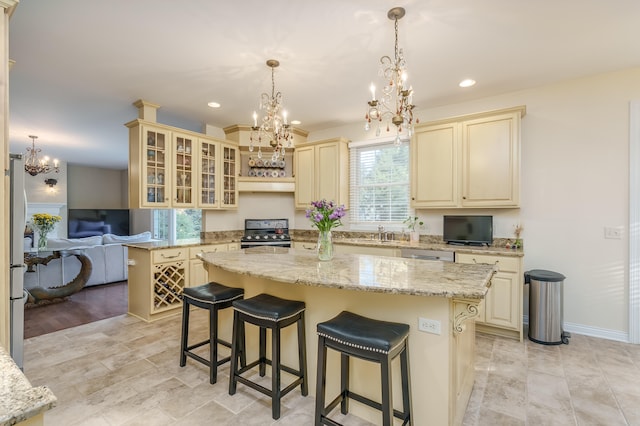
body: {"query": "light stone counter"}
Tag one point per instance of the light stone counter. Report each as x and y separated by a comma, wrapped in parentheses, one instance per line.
(384, 288)
(358, 272)
(20, 403)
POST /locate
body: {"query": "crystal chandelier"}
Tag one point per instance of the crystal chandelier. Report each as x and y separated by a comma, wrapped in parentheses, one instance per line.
(395, 105)
(35, 165)
(273, 127)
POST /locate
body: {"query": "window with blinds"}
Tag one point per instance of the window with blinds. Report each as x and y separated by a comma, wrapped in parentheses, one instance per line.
(379, 185)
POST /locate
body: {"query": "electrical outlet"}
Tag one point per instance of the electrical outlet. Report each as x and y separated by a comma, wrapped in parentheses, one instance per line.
(429, 326)
(613, 232)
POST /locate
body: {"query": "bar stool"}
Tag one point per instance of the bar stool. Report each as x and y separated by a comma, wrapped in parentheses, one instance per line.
(213, 297)
(274, 313)
(371, 340)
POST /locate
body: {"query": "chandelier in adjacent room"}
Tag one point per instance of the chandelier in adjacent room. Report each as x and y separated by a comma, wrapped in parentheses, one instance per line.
(395, 104)
(34, 165)
(273, 127)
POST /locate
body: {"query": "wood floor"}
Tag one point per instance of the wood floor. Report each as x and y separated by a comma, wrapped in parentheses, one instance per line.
(88, 305)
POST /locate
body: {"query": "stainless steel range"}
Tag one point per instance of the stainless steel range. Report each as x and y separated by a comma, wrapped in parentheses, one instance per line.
(266, 232)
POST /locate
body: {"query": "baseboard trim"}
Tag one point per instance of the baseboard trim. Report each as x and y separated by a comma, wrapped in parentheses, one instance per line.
(586, 330)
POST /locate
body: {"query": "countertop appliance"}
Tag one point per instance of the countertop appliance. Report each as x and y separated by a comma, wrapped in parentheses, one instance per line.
(266, 232)
(17, 220)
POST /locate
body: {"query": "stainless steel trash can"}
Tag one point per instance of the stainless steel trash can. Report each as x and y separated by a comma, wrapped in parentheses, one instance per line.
(545, 307)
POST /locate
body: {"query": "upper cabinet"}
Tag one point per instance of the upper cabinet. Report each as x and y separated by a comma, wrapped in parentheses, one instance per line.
(175, 168)
(467, 162)
(217, 181)
(322, 172)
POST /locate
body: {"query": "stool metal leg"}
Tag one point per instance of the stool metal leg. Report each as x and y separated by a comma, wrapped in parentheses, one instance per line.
(275, 373)
(233, 372)
(406, 385)
(387, 400)
(344, 383)
(213, 345)
(321, 381)
(302, 356)
(263, 351)
(185, 333)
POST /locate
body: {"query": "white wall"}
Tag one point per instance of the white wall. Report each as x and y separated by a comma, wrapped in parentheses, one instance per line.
(575, 174)
(96, 188)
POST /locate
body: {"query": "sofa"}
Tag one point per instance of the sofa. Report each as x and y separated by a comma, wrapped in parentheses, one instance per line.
(79, 228)
(108, 258)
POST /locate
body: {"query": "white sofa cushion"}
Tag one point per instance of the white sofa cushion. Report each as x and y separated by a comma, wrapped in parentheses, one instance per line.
(69, 243)
(137, 238)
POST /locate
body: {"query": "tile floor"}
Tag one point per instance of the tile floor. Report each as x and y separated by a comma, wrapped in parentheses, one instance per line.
(122, 371)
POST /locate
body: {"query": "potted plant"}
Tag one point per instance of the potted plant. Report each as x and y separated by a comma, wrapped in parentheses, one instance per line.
(411, 223)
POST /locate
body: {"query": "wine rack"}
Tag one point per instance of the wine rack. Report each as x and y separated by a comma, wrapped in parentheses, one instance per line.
(169, 280)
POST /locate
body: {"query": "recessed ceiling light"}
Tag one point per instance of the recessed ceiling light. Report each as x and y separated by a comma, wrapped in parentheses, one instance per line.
(214, 104)
(467, 83)
(296, 122)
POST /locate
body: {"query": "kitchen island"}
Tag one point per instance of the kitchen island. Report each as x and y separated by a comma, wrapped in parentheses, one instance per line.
(384, 288)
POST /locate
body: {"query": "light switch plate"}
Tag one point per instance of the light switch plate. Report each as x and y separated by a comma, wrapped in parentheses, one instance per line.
(613, 232)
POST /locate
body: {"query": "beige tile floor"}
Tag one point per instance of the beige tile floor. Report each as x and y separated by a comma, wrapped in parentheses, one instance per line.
(122, 371)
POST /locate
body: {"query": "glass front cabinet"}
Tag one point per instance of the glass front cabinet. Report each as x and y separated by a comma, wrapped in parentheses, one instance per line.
(169, 168)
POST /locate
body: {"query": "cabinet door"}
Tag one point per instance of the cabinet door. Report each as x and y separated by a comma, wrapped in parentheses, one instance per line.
(434, 166)
(304, 176)
(184, 154)
(304, 246)
(229, 165)
(502, 302)
(490, 162)
(156, 173)
(327, 172)
(207, 181)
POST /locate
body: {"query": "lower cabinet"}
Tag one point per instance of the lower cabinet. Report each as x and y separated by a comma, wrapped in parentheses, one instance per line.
(501, 310)
(156, 281)
(197, 272)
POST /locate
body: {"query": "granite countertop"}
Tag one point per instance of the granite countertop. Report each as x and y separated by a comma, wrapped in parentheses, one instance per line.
(363, 242)
(159, 245)
(367, 242)
(358, 272)
(19, 401)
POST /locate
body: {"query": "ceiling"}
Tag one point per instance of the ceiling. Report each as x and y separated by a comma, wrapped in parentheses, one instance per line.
(79, 65)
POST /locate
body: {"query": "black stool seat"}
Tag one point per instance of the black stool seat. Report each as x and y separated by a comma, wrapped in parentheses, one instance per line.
(213, 297)
(368, 339)
(273, 313)
(268, 307)
(212, 293)
(364, 333)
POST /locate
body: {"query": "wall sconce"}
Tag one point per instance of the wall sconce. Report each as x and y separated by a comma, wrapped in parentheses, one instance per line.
(51, 182)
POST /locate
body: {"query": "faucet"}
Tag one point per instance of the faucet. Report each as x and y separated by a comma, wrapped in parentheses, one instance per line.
(380, 232)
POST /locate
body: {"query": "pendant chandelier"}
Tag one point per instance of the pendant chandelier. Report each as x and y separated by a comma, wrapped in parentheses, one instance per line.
(395, 106)
(35, 165)
(273, 127)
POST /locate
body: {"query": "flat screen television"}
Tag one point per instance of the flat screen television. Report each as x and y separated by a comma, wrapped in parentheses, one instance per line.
(117, 218)
(468, 230)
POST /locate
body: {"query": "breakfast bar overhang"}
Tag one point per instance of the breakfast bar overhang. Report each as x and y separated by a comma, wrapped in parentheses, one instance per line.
(384, 288)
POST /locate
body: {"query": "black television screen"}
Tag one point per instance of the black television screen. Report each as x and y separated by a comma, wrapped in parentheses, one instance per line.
(471, 230)
(117, 218)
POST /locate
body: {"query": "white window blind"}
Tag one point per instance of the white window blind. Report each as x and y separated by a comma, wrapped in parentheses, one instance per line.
(379, 183)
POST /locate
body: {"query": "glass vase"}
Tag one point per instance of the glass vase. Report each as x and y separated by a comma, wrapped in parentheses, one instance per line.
(325, 246)
(42, 240)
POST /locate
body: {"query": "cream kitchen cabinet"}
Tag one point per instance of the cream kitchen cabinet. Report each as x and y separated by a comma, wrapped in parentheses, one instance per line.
(322, 172)
(302, 245)
(467, 162)
(156, 280)
(150, 167)
(197, 273)
(501, 310)
(173, 168)
(218, 164)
